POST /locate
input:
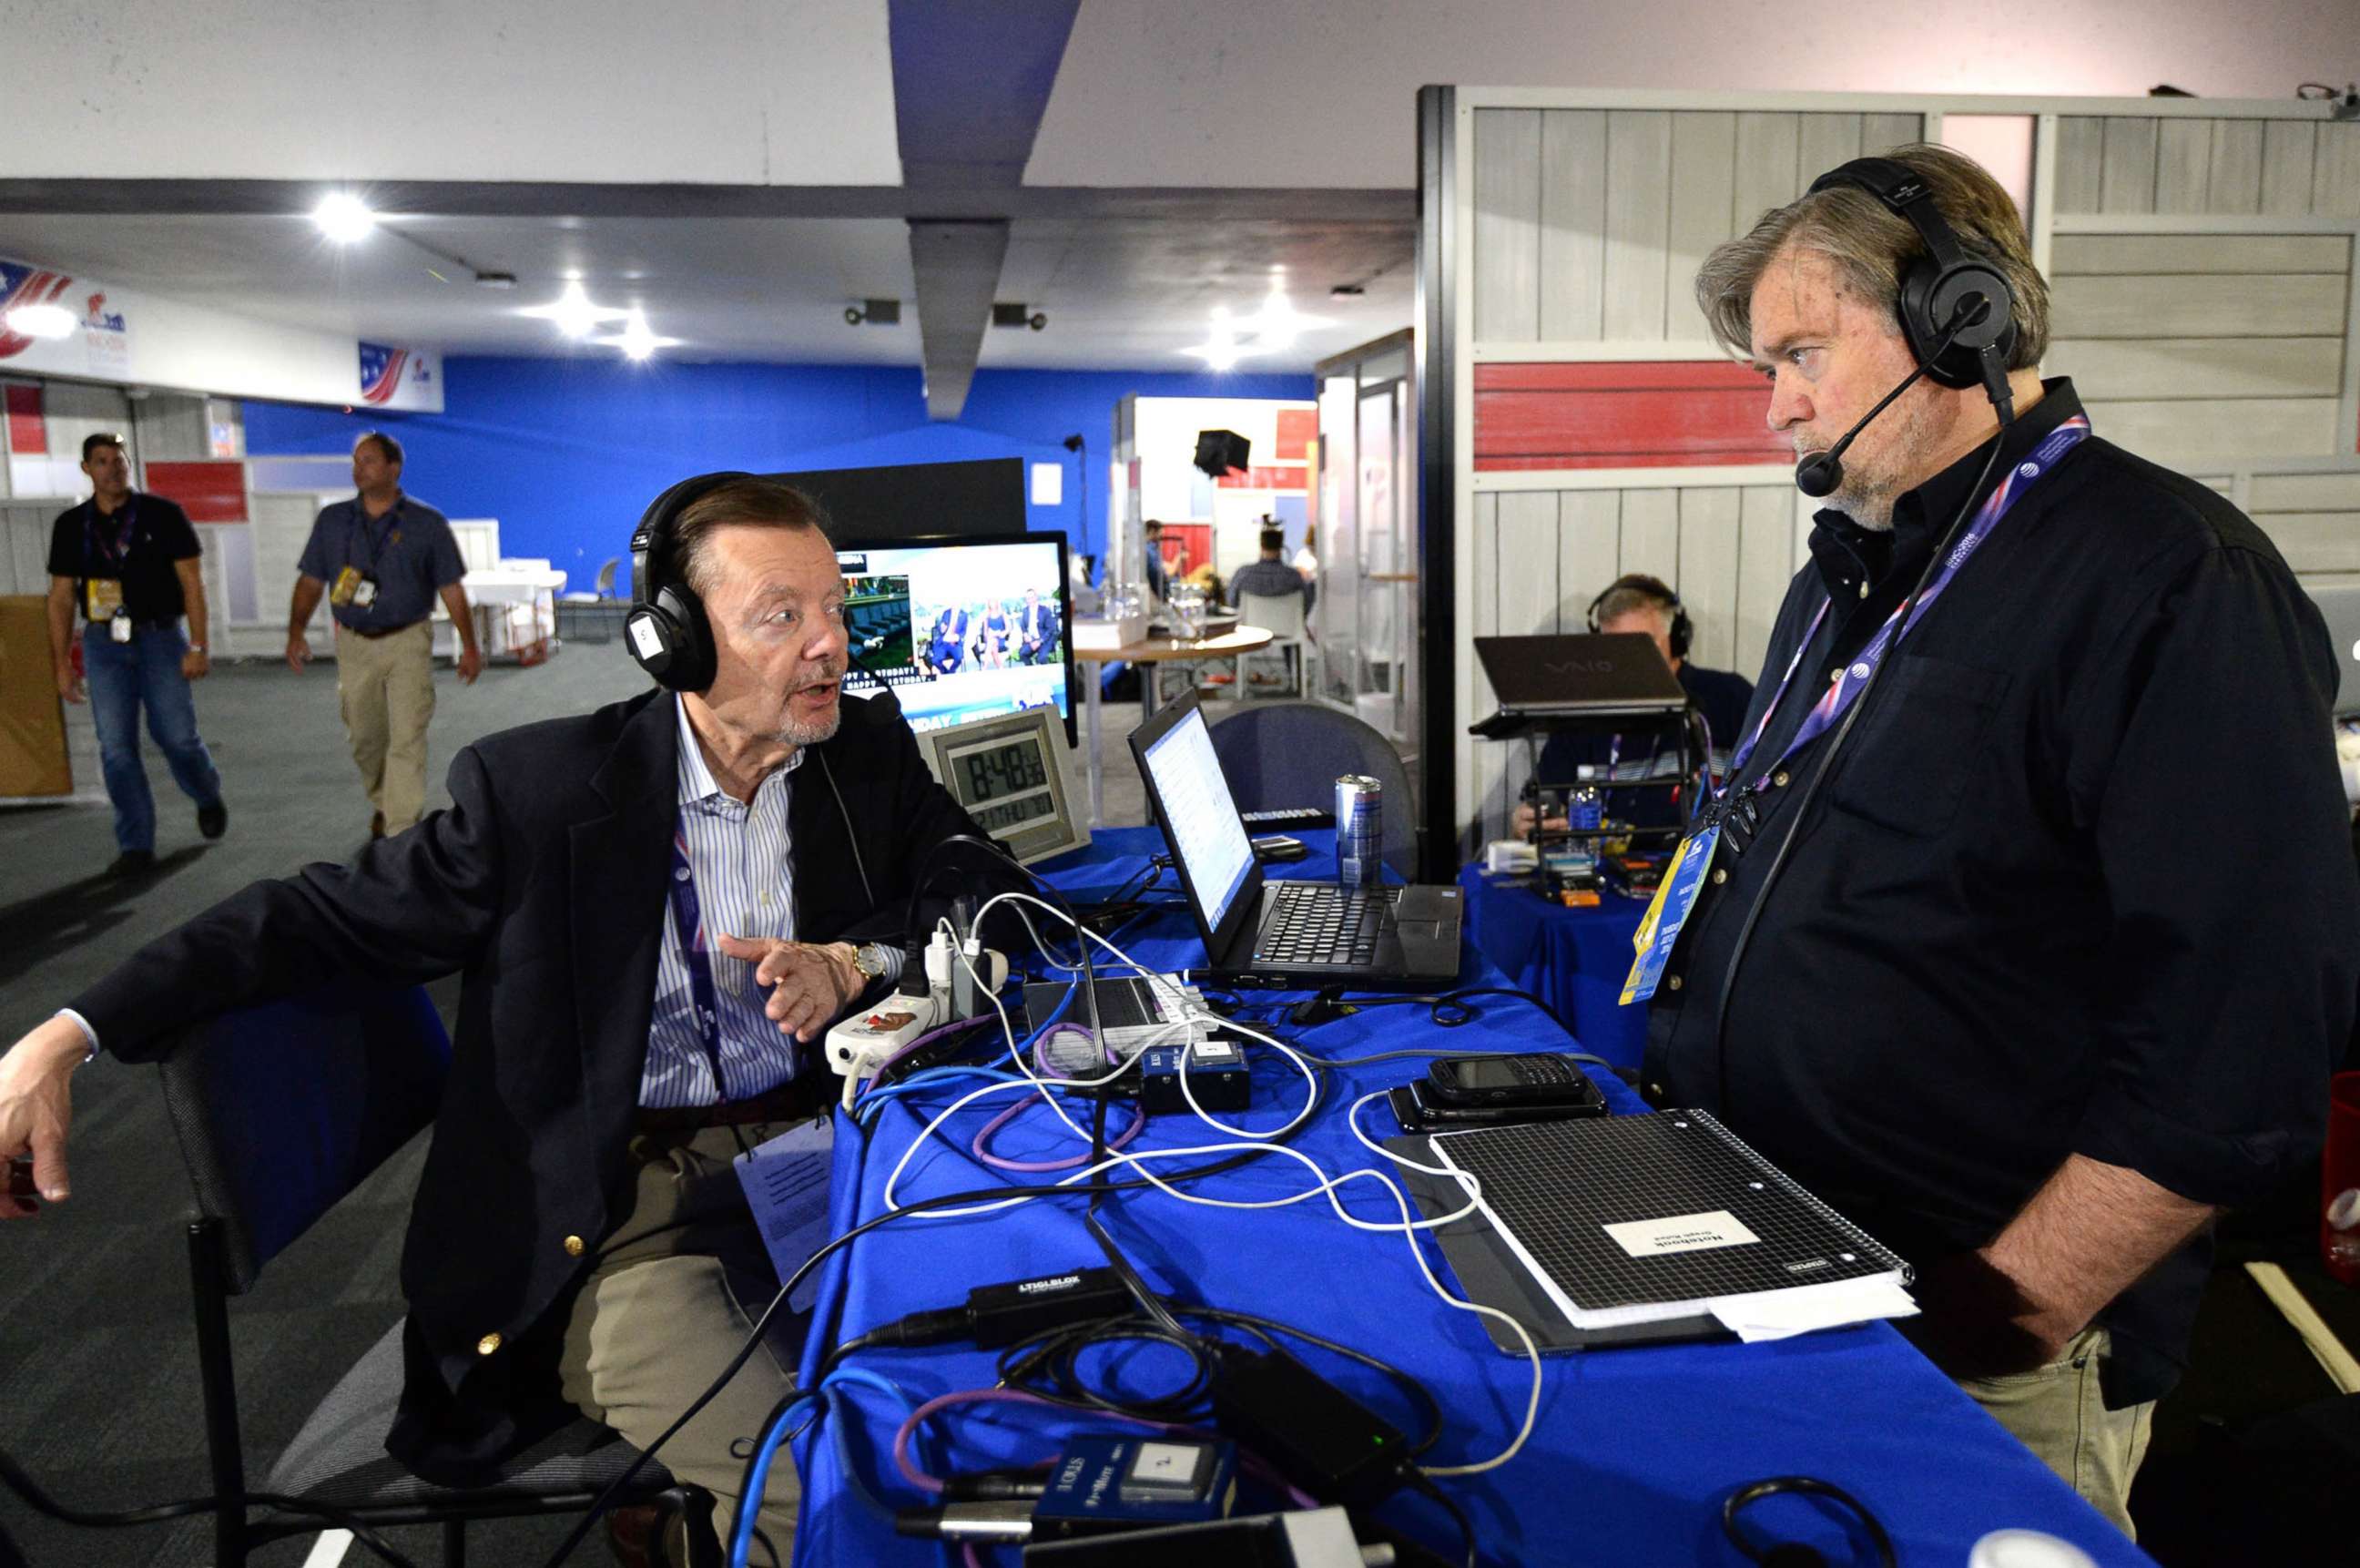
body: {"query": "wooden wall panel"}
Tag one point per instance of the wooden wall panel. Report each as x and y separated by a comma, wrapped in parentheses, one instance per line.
(2235, 184)
(2126, 171)
(1765, 562)
(1507, 225)
(1880, 134)
(2335, 172)
(2206, 253)
(2080, 160)
(1589, 552)
(1707, 578)
(1573, 225)
(2143, 368)
(2172, 432)
(2266, 305)
(1651, 534)
(2183, 165)
(1638, 175)
(1822, 141)
(1528, 551)
(1767, 173)
(1612, 415)
(2303, 492)
(2288, 149)
(2315, 542)
(1704, 179)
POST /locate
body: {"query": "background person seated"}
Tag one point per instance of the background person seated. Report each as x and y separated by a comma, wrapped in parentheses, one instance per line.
(1271, 577)
(1649, 604)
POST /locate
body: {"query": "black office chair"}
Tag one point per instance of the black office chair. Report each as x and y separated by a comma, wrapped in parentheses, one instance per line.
(281, 1110)
(1277, 754)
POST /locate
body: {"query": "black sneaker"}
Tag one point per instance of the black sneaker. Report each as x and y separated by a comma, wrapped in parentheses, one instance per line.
(133, 863)
(213, 821)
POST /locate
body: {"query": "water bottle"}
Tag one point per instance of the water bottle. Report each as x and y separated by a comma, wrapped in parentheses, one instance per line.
(1586, 810)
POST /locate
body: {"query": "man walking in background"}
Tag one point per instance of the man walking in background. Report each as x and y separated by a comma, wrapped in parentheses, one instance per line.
(128, 563)
(382, 558)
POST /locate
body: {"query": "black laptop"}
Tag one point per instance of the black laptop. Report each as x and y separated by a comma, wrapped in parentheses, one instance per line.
(1316, 932)
(1604, 675)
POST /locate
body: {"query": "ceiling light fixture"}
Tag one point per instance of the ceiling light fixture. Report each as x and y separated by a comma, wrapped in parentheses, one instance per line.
(572, 312)
(636, 341)
(343, 218)
(41, 321)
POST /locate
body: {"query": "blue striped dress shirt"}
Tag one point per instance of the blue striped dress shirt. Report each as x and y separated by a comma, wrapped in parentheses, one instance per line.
(741, 856)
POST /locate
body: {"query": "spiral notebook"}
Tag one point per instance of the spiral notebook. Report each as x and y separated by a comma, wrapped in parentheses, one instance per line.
(1628, 1222)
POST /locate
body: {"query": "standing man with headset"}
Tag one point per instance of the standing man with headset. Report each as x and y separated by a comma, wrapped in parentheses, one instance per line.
(129, 565)
(382, 558)
(1978, 958)
(1637, 603)
(658, 908)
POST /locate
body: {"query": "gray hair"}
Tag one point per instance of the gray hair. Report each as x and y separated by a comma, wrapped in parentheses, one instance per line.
(1870, 245)
(759, 503)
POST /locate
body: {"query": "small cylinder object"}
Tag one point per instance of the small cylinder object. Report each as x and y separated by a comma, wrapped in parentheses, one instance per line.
(1359, 832)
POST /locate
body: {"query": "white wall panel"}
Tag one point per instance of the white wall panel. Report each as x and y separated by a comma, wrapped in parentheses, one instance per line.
(1638, 177)
(1507, 225)
(1573, 225)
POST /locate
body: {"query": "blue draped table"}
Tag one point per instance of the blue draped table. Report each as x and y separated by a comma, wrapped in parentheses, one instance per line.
(1634, 1451)
(1573, 959)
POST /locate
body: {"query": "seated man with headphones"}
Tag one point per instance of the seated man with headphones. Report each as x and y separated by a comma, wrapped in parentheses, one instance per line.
(1639, 603)
(657, 908)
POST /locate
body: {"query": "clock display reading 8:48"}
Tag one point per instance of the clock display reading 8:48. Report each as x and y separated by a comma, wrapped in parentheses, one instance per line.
(1004, 769)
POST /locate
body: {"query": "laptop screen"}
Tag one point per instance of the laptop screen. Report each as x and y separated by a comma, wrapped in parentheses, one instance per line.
(1201, 814)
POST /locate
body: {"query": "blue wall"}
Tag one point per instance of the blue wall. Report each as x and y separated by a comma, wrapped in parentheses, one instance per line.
(566, 453)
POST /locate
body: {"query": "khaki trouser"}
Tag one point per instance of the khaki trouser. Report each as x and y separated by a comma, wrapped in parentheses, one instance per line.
(659, 1317)
(2057, 1412)
(386, 685)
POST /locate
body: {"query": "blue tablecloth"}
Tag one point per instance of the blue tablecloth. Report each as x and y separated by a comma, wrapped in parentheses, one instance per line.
(1634, 1448)
(1573, 959)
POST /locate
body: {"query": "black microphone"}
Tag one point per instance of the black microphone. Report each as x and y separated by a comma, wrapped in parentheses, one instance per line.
(1821, 474)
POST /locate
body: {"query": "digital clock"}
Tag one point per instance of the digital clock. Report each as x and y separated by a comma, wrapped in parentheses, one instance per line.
(1012, 773)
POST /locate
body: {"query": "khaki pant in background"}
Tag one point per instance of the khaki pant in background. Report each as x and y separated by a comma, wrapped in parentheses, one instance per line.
(2058, 1413)
(659, 1317)
(387, 686)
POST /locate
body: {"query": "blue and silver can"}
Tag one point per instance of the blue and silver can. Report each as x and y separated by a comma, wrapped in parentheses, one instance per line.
(1359, 832)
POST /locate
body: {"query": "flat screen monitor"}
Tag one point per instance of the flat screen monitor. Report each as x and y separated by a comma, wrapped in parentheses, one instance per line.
(961, 625)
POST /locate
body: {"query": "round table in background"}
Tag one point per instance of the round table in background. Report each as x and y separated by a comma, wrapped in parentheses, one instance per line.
(1151, 651)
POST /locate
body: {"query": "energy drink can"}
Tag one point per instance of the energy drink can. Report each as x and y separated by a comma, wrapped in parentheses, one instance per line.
(1359, 830)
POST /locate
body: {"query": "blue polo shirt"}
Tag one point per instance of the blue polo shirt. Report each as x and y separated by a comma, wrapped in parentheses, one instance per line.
(410, 550)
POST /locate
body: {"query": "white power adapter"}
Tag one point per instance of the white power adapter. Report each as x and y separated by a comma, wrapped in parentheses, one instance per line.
(860, 1045)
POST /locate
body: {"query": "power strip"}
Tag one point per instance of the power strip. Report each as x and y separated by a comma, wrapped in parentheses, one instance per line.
(860, 1045)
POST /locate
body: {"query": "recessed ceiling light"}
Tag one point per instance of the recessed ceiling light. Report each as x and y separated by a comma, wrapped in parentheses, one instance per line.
(41, 321)
(637, 340)
(572, 312)
(343, 218)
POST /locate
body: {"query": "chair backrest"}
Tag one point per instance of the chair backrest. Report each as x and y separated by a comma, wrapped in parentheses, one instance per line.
(1279, 754)
(606, 584)
(1281, 615)
(283, 1108)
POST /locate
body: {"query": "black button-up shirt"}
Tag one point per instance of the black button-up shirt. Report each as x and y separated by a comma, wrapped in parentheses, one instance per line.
(2080, 881)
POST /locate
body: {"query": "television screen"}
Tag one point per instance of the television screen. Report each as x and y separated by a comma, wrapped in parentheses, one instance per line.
(961, 627)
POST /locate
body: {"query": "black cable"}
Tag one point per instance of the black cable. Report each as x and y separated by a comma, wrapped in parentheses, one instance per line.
(1808, 1486)
(1055, 1355)
(40, 1502)
(1429, 1408)
(1420, 1483)
(1799, 813)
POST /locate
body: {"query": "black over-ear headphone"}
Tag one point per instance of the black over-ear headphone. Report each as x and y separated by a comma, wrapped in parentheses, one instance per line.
(667, 630)
(1683, 631)
(1936, 285)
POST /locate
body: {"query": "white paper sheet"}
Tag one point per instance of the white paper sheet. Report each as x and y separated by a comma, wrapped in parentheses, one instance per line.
(1777, 1314)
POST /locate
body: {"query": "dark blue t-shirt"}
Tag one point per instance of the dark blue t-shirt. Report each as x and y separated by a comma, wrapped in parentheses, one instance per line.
(410, 550)
(1721, 696)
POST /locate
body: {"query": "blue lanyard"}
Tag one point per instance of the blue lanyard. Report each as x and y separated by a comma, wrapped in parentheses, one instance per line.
(688, 924)
(1850, 681)
(377, 542)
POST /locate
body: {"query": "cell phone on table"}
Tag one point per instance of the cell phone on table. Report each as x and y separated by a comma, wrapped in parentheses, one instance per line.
(1511, 1078)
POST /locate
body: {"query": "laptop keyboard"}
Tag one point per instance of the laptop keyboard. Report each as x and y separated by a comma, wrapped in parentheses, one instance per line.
(1322, 923)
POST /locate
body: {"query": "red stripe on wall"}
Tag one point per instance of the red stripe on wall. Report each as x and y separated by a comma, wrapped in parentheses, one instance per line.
(1295, 429)
(208, 492)
(1650, 414)
(28, 427)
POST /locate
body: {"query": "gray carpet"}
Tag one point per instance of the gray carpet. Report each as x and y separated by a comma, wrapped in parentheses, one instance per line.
(96, 1353)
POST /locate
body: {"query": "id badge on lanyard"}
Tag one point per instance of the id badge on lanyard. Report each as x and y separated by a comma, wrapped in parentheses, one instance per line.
(1667, 915)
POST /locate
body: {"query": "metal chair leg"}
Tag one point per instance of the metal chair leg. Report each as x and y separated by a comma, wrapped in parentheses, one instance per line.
(454, 1543)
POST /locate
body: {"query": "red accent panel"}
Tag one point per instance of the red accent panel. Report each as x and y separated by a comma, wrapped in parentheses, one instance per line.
(1613, 415)
(1185, 546)
(28, 427)
(1279, 476)
(208, 492)
(1295, 429)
